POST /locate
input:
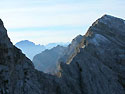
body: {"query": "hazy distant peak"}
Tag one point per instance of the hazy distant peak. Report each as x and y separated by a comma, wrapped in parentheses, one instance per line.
(58, 46)
(51, 45)
(29, 48)
(25, 42)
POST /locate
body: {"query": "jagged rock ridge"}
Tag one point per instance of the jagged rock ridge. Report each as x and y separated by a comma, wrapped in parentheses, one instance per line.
(97, 68)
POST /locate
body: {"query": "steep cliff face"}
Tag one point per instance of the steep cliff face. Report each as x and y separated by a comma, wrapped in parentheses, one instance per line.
(97, 68)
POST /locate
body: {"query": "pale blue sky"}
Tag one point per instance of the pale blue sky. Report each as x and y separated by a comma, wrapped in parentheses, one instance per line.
(47, 21)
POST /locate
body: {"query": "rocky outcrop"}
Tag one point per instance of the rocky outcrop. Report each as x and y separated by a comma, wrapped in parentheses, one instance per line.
(47, 60)
(71, 50)
(98, 67)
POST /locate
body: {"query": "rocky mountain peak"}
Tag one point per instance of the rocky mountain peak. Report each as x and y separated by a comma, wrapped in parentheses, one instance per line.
(111, 21)
(2, 29)
(4, 40)
(104, 29)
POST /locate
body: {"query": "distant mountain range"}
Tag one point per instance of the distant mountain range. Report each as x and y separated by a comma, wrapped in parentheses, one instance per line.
(51, 45)
(31, 49)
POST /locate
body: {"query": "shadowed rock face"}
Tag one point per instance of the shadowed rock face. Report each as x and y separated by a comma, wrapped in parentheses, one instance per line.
(98, 66)
(47, 60)
(15, 69)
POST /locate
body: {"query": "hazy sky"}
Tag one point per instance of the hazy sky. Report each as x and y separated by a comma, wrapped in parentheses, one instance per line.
(47, 21)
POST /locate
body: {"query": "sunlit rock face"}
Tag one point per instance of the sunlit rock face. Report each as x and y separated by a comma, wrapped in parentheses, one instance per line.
(98, 66)
(71, 50)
